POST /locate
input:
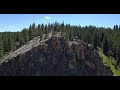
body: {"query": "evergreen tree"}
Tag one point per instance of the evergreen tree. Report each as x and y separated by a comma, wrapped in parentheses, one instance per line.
(21, 39)
(45, 29)
(10, 43)
(116, 27)
(102, 37)
(105, 46)
(5, 42)
(1, 48)
(30, 32)
(40, 31)
(33, 30)
(17, 39)
(95, 42)
(25, 35)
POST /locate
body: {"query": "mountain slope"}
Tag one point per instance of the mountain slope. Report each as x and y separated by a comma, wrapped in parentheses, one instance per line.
(54, 56)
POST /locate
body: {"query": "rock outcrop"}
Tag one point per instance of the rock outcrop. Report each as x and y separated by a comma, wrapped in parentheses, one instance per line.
(54, 56)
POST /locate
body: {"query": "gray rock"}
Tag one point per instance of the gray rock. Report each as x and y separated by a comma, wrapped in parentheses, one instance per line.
(54, 56)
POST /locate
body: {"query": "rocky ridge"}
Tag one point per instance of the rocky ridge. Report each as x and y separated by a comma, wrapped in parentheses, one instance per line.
(54, 56)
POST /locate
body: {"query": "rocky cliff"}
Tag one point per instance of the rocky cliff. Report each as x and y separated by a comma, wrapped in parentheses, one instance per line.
(54, 56)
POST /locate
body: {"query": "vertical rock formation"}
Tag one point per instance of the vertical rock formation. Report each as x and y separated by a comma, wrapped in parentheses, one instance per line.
(54, 56)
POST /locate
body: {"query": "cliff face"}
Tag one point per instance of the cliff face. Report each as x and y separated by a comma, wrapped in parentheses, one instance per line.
(54, 56)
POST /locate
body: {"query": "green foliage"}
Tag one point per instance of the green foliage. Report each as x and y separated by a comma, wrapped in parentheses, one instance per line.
(105, 46)
(1, 48)
(21, 39)
(111, 61)
(25, 35)
(95, 41)
(31, 33)
(110, 54)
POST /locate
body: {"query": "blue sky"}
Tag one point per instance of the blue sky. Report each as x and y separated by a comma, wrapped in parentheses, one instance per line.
(16, 22)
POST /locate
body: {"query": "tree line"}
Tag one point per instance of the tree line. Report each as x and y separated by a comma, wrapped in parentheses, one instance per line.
(106, 38)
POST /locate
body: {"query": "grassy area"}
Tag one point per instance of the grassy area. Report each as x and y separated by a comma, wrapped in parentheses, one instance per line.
(111, 61)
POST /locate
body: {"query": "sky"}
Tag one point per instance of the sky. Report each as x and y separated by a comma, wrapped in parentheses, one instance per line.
(16, 22)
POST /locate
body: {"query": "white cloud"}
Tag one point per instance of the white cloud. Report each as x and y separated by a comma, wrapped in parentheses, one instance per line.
(47, 17)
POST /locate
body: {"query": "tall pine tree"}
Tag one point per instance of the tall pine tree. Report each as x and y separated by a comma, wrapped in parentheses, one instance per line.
(25, 35)
(95, 41)
(31, 33)
(105, 46)
(1, 48)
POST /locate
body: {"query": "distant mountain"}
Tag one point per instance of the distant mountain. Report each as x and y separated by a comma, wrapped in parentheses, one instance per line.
(54, 55)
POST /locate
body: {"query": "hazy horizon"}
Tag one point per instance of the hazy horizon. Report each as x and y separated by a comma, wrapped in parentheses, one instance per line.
(16, 22)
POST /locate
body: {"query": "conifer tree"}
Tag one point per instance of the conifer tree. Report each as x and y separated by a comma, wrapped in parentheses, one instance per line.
(1, 48)
(105, 46)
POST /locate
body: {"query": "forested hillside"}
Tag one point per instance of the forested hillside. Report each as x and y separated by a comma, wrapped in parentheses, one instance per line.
(106, 38)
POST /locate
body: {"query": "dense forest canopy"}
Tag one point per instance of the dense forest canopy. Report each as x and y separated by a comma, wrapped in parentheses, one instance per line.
(106, 38)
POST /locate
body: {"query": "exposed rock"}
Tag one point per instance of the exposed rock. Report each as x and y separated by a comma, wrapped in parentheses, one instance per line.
(107, 65)
(54, 56)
